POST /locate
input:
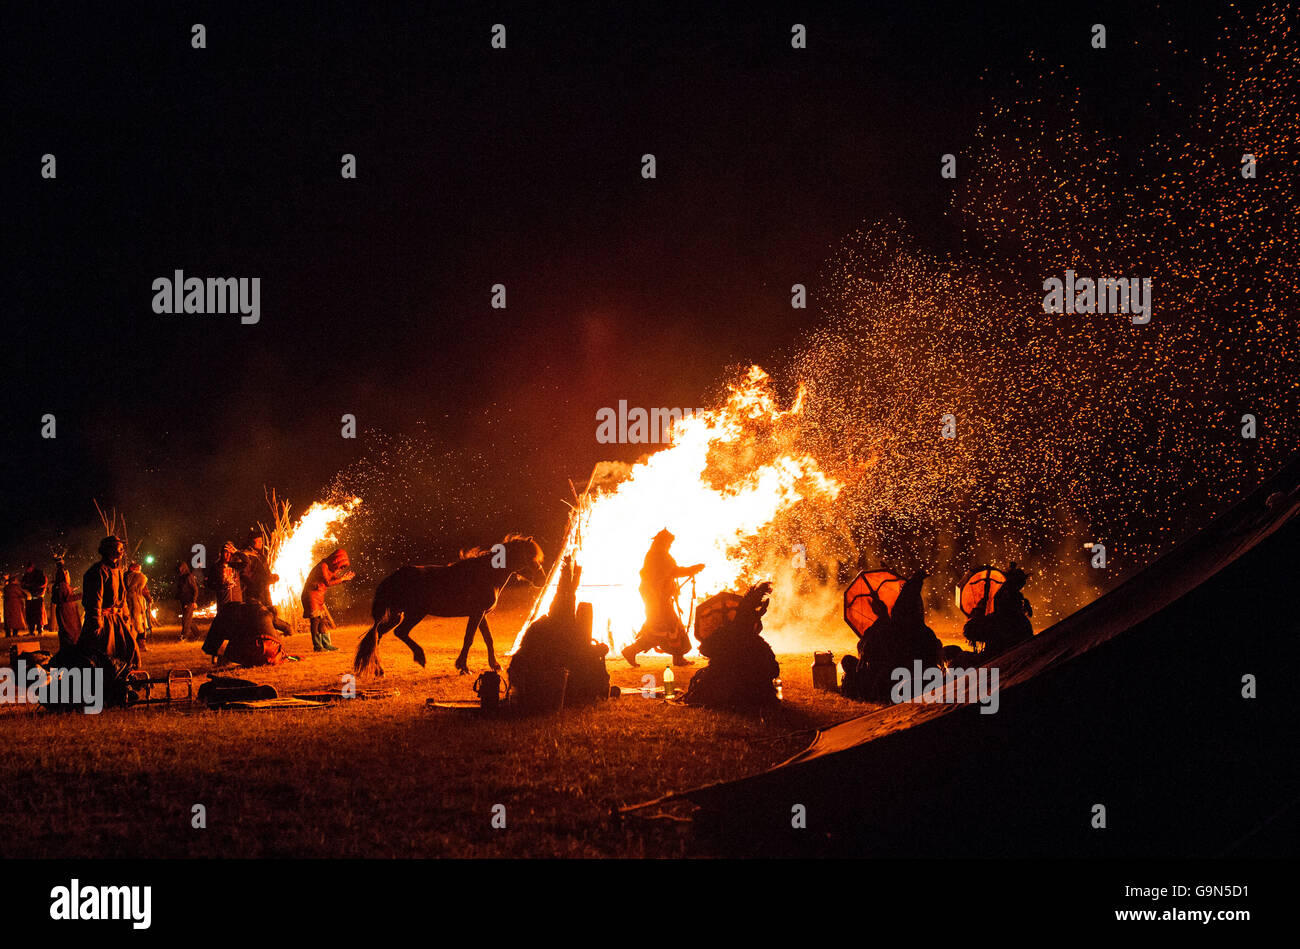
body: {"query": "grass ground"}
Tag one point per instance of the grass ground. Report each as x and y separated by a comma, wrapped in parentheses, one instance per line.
(383, 778)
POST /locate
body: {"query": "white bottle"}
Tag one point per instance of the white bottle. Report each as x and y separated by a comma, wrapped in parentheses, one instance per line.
(668, 681)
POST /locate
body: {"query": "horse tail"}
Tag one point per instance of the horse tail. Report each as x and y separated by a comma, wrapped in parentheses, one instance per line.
(364, 660)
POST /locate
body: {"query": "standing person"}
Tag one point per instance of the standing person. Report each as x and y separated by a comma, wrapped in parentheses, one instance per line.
(106, 629)
(224, 580)
(256, 577)
(663, 629)
(15, 606)
(255, 573)
(138, 601)
(67, 611)
(331, 571)
(35, 584)
(187, 593)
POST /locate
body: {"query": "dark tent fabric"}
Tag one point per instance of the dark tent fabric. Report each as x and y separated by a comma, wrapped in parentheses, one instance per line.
(1134, 702)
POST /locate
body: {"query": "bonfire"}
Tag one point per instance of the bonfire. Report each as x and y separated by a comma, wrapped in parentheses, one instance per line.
(719, 486)
(297, 546)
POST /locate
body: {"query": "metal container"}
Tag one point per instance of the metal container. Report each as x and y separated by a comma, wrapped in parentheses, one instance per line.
(488, 689)
(825, 675)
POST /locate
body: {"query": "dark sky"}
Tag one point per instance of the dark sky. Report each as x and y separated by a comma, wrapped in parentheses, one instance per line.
(475, 166)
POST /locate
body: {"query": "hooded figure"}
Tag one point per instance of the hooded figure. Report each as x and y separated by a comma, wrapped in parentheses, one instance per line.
(331, 571)
(67, 611)
(106, 629)
(15, 606)
(857, 683)
(249, 632)
(663, 629)
(911, 636)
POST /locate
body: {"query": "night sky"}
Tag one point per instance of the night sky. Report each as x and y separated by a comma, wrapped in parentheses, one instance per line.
(475, 166)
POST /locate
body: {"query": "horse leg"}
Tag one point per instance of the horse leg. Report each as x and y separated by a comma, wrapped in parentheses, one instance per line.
(403, 632)
(462, 661)
(487, 638)
(381, 630)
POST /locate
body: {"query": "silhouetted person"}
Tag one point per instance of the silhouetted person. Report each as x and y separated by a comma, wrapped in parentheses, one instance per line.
(255, 574)
(67, 608)
(897, 643)
(862, 671)
(106, 629)
(331, 571)
(15, 606)
(912, 637)
(663, 629)
(251, 634)
(35, 584)
(1008, 625)
(741, 666)
(187, 595)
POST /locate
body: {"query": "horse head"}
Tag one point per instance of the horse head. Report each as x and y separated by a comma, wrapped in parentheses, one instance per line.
(524, 558)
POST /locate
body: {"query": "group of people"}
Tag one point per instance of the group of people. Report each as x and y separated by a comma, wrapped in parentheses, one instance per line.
(899, 637)
(109, 618)
(25, 609)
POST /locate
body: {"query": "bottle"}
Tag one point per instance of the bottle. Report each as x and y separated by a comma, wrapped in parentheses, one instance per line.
(668, 681)
(776, 684)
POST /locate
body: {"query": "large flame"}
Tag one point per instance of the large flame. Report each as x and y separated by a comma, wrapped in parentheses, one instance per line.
(304, 546)
(716, 515)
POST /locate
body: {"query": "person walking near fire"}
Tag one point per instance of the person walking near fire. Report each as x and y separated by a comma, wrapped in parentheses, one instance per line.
(663, 629)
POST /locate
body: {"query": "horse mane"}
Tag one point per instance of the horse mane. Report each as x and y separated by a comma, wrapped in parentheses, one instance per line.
(482, 551)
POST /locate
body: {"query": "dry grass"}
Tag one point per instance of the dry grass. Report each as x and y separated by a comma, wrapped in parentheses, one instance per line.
(379, 778)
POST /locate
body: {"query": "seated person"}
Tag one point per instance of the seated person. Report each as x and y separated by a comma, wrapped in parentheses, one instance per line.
(741, 666)
(562, 640)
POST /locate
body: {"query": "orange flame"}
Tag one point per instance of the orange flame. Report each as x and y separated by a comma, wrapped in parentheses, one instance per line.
(305, 546)
(718, 526)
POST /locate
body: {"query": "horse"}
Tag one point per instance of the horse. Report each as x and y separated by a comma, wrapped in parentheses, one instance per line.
(468, 587)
